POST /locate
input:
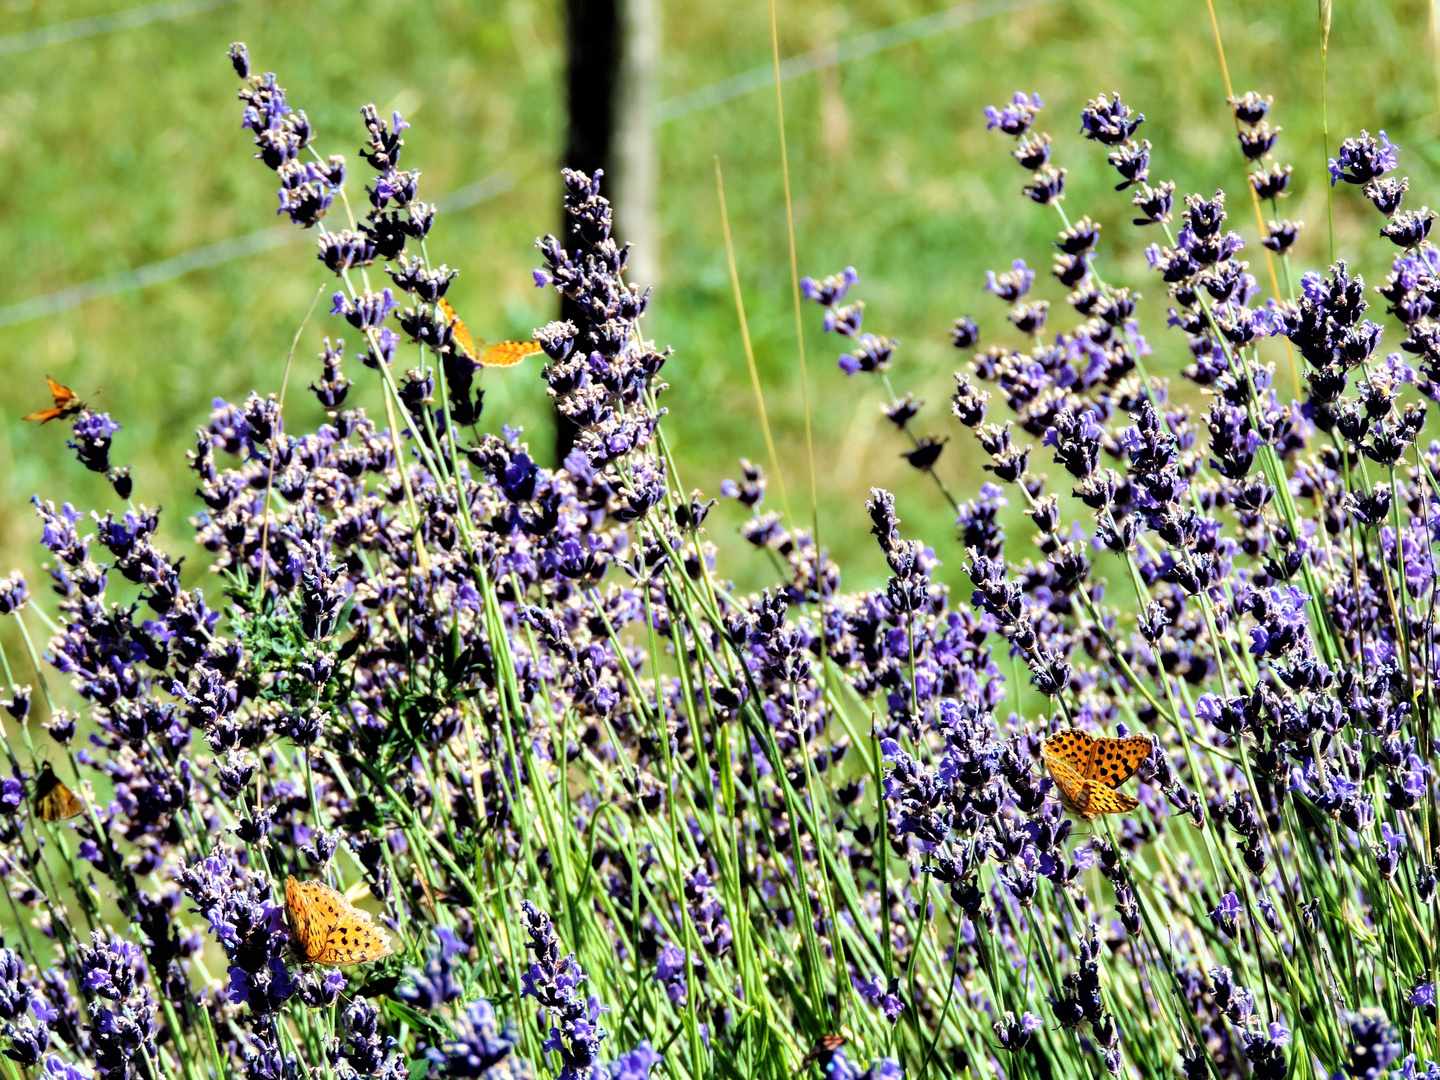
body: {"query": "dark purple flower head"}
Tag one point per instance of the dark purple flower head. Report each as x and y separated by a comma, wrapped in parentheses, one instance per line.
(332, 387)
(15, 991)
(436, 985)
(882, 995)
(109, 968)
(1363, 159)
(367, 311)
(480, 1043)
(1108, 120)
(553, 981)
(322, 589)
(1015, 1034)
(306, 192)
(636, 1064)
(872, 353)
(1015, 118)
(1032, 151)
(671, 973)
(1375, 1043)
(1011, 285)
(249, 924)
(12, 796)
(845, 320)
(14, 593)
(832, 289)
(1409, 229)
(1250, 108)
(1258, 141)
(1280, 236)
(1227, 914)
(382, 150)
(1047, 186)
(360, 1049)
(1154, 203)
(92, 433)
(239, 59)
(965, 333)
(18, 705)
(1271, 183)
(1387, 193)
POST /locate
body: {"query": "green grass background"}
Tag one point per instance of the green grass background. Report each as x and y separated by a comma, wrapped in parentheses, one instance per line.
(124, 149)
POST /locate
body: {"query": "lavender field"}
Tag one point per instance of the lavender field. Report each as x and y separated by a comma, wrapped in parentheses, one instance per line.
(503, 711)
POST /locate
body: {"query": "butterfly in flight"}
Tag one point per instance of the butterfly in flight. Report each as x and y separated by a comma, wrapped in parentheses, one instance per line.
(823, 1050)
(1087, 770)
(501, 354)
(53, 800)
(328, 929)
(66, 403)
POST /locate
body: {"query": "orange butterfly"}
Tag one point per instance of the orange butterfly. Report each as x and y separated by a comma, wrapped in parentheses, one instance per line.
(53, 800)
(825, 1046)
(66, 403)
(330, 930)
(1087, 770)
(501, 354)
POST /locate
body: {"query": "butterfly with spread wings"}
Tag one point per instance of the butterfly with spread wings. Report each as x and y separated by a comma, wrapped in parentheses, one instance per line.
(1087, 770)
(66, 403)
(500, 354)
(328, 929)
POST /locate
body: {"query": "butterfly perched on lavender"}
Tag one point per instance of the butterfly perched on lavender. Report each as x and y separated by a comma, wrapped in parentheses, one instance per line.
(823, 1050)
(1087, 770)
(66, 403)
(53, 800)
(500, 354)
(328, 929)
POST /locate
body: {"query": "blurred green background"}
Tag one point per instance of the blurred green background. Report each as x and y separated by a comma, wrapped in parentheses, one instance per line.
(122, 149)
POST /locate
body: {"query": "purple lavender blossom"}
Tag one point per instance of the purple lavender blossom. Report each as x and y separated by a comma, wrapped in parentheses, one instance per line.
(479, 1046)
(575, 1032)
(1015, 118)
(1363, 159)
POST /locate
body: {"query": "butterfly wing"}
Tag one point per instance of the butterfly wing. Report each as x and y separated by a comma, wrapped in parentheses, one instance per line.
(63, 395)
(1114, 761)
(459, 330)
(299, 906)
(337, 933)
(65, 403)
(1072, 788)
(1104, 800)
(1071, 745)
(354, 939)
(508, 353)
(824, 1047)
(53, 800)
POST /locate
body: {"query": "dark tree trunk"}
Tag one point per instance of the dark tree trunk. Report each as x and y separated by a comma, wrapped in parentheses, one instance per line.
(612, 50)
(594, 50)
(593, 54)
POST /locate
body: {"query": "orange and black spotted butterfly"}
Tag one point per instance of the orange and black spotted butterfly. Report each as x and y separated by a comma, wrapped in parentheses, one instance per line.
(66, 403)
(53, 800)
(822, 1051)
(501, 354)
(1087, 770)
(330, 930)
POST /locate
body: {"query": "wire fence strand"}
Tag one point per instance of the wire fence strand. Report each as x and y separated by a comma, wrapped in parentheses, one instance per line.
(674, 108)
(96, 25)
